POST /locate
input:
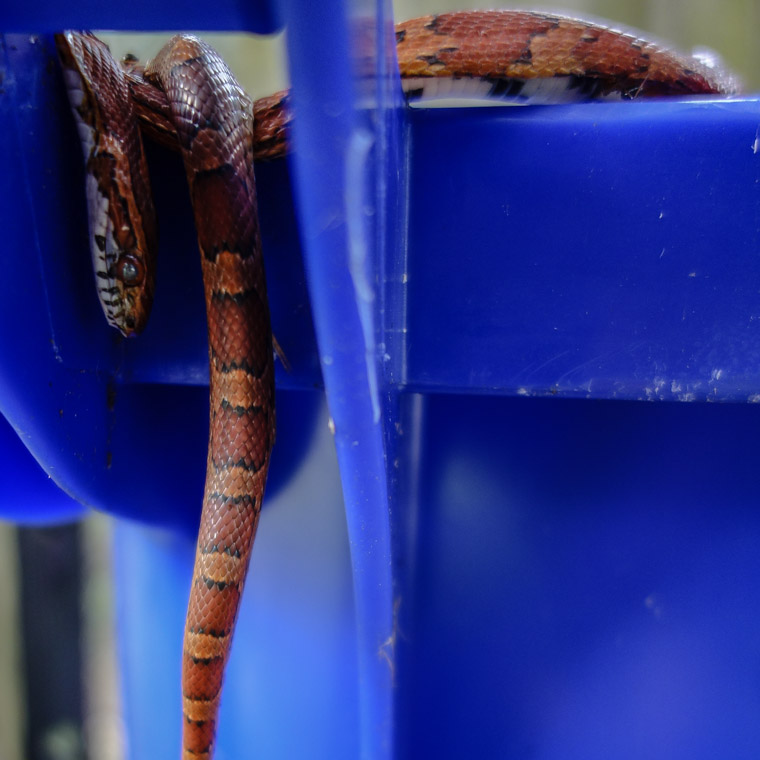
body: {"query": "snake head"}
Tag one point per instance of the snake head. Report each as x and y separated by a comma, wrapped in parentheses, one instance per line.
(122, 219)
(123, 231)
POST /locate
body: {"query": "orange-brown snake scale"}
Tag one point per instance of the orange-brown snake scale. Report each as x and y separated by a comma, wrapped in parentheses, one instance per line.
(187, 98)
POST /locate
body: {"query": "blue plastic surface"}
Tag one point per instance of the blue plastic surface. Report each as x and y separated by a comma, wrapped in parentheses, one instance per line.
(609, 251)
(584, 582)
(261, 16)
(27, 493)
(453, 567)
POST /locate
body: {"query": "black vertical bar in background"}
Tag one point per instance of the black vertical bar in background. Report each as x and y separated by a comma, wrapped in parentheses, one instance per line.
(51, 593)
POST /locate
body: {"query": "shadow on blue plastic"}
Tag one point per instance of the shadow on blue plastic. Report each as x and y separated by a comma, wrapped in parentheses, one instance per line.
(27, 493)
(585, 581)
(44, 397)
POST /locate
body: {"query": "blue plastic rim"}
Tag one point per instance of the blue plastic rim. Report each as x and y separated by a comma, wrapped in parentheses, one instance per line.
(597, 250)
(43, 16)
(448, 565)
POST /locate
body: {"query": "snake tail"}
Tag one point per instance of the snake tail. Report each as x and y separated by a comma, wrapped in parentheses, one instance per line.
(214, 128)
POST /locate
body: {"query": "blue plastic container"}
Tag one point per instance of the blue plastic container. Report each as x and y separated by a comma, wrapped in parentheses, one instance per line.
(495, 548)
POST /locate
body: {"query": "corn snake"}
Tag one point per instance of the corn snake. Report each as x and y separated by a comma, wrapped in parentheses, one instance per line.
(503, 52)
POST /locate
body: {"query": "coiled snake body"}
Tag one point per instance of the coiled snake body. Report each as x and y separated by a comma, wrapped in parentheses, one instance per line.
(188, 97)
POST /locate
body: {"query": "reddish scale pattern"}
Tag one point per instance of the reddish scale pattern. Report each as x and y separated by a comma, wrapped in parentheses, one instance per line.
(231, 434)
(525, 45)
(231, 349)
(208, 105)
(271, 117)
(117, 161)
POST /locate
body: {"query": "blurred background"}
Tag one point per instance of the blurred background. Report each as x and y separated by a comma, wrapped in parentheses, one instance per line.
(73, 580)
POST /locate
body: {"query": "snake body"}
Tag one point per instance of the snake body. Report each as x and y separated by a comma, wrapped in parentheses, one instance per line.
(211, 118)
(188, 99)
(508, 51)
(214, 130)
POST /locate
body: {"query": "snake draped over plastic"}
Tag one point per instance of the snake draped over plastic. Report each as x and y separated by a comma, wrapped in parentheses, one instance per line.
(188, 99)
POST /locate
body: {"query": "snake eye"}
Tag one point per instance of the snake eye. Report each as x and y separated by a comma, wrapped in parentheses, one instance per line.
(130, 270)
